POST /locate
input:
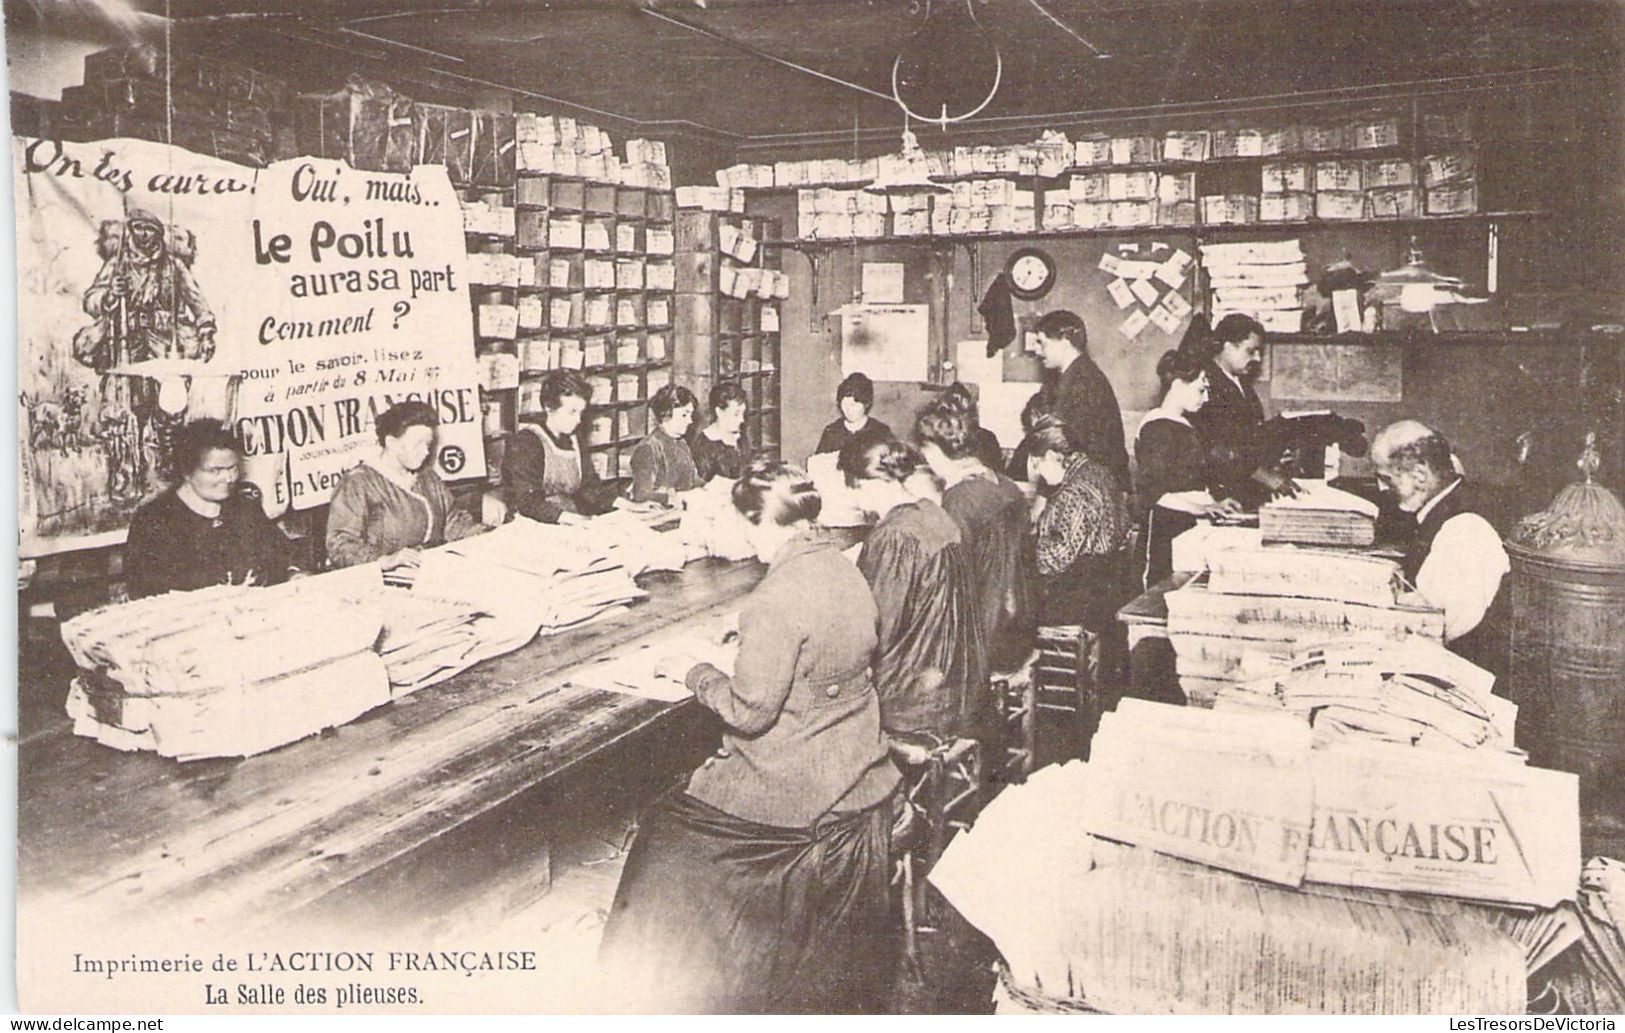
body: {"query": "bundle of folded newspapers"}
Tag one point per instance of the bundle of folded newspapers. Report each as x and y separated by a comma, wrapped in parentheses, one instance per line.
(1220, 862)
(1319, 515)
(227, 671)
(1280, 598)
(1414, 692)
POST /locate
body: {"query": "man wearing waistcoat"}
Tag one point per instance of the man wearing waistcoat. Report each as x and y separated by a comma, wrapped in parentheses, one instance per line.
(1456, 561)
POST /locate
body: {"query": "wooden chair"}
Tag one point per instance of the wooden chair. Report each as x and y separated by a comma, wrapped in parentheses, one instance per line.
(942, 793)
(1063, 678)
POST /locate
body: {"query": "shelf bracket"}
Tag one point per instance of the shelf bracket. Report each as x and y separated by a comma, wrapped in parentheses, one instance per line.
(975, 255)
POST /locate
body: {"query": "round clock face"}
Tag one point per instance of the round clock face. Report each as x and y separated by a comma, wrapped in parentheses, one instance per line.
(1031, 272)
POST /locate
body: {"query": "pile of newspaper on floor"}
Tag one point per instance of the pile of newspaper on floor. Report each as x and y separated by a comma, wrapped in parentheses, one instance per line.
(234, 671)
(1234, 862)
(1276, 598)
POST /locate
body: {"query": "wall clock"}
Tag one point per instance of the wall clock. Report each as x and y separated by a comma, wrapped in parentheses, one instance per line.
(1031, 272)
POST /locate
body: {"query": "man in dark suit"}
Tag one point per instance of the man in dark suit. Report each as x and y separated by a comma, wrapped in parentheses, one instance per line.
(1232, 418)
(1084, 398)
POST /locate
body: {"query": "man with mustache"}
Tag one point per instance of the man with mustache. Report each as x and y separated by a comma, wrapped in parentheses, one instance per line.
(1233, 418)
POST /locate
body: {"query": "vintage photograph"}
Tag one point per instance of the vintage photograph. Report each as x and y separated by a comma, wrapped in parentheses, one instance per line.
(970, 507)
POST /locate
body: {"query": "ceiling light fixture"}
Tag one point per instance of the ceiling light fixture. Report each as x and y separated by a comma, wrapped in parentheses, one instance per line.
(941, 63)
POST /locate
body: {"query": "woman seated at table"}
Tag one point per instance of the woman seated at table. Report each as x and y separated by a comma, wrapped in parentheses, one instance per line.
(716, 449)
(992, 516)
(204, 530)
(930, 666)
(1171, 455)
(1083, 532)
(545, 472)
(984, 444)
(393, 503)
(854, 398)
(661, 463)
(1040, 403)
(763, 886)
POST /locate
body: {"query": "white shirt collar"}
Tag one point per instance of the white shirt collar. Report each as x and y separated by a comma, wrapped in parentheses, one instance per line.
(1422, 514)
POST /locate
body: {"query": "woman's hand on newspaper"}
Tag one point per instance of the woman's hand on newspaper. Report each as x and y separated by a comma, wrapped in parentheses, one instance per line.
(676, 665)
(404, 558)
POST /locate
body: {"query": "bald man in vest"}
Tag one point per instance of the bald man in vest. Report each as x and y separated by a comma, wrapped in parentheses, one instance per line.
(1456, 561)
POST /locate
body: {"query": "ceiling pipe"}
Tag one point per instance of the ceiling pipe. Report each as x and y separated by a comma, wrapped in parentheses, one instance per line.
(762, 54)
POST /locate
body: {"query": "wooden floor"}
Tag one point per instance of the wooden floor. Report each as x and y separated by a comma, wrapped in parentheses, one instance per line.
(955, 974)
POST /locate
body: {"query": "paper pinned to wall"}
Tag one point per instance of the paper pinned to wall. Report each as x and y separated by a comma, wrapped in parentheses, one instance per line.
(1146, 291)
(973, 365)
(999, 408)
(1119, 290)
(1136, 322)
(886, 342)
(883, 283)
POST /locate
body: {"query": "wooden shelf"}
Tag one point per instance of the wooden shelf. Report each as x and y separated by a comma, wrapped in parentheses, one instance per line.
(1228, 229)
(1425, 338)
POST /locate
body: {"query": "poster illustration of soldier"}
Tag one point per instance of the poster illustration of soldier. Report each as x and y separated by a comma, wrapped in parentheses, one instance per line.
(147, 305)
(160, 286)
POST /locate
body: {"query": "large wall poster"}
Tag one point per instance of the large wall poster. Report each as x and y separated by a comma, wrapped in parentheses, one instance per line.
(297, 301)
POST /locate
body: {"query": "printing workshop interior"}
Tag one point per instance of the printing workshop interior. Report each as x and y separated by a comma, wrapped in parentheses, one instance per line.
(832, 506)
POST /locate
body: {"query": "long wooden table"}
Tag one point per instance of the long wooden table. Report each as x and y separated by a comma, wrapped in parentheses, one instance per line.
(235, 843)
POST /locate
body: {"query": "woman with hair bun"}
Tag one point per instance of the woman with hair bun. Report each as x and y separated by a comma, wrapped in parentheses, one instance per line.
(982, 443)
(203, 531)
(992, 516)
(762, 887)
(930, 665)
(393, 503)
(718, 449)
(545, 472)
(662, 463)
(1083, 533)
(1172, 455)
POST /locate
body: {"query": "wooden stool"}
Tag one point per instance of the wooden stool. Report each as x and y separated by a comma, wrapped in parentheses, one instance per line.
(942, 793)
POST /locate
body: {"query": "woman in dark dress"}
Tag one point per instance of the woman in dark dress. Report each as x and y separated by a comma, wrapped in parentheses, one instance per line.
(930, 665)
(984, 444)
(763, 886)
(1083, 532)
(546, 475)
(992, 516)
(662, 465)
(855, 397)
(1041, 403)
(1172, 455)
(203, 531)
(717, 450)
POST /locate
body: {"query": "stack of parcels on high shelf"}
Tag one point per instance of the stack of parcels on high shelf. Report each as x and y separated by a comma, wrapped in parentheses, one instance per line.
(227, 671)
(1224, 862)
(1259, 279)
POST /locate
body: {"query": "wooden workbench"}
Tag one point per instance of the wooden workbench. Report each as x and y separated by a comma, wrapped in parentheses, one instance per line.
(236, 844)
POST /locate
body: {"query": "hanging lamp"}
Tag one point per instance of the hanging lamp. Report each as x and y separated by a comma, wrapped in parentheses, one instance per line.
(934, 77)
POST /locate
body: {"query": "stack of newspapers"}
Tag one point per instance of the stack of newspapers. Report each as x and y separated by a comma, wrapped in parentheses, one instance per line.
(228, 671)
(1279, 599)
(1414, 692)
(1208, 861)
